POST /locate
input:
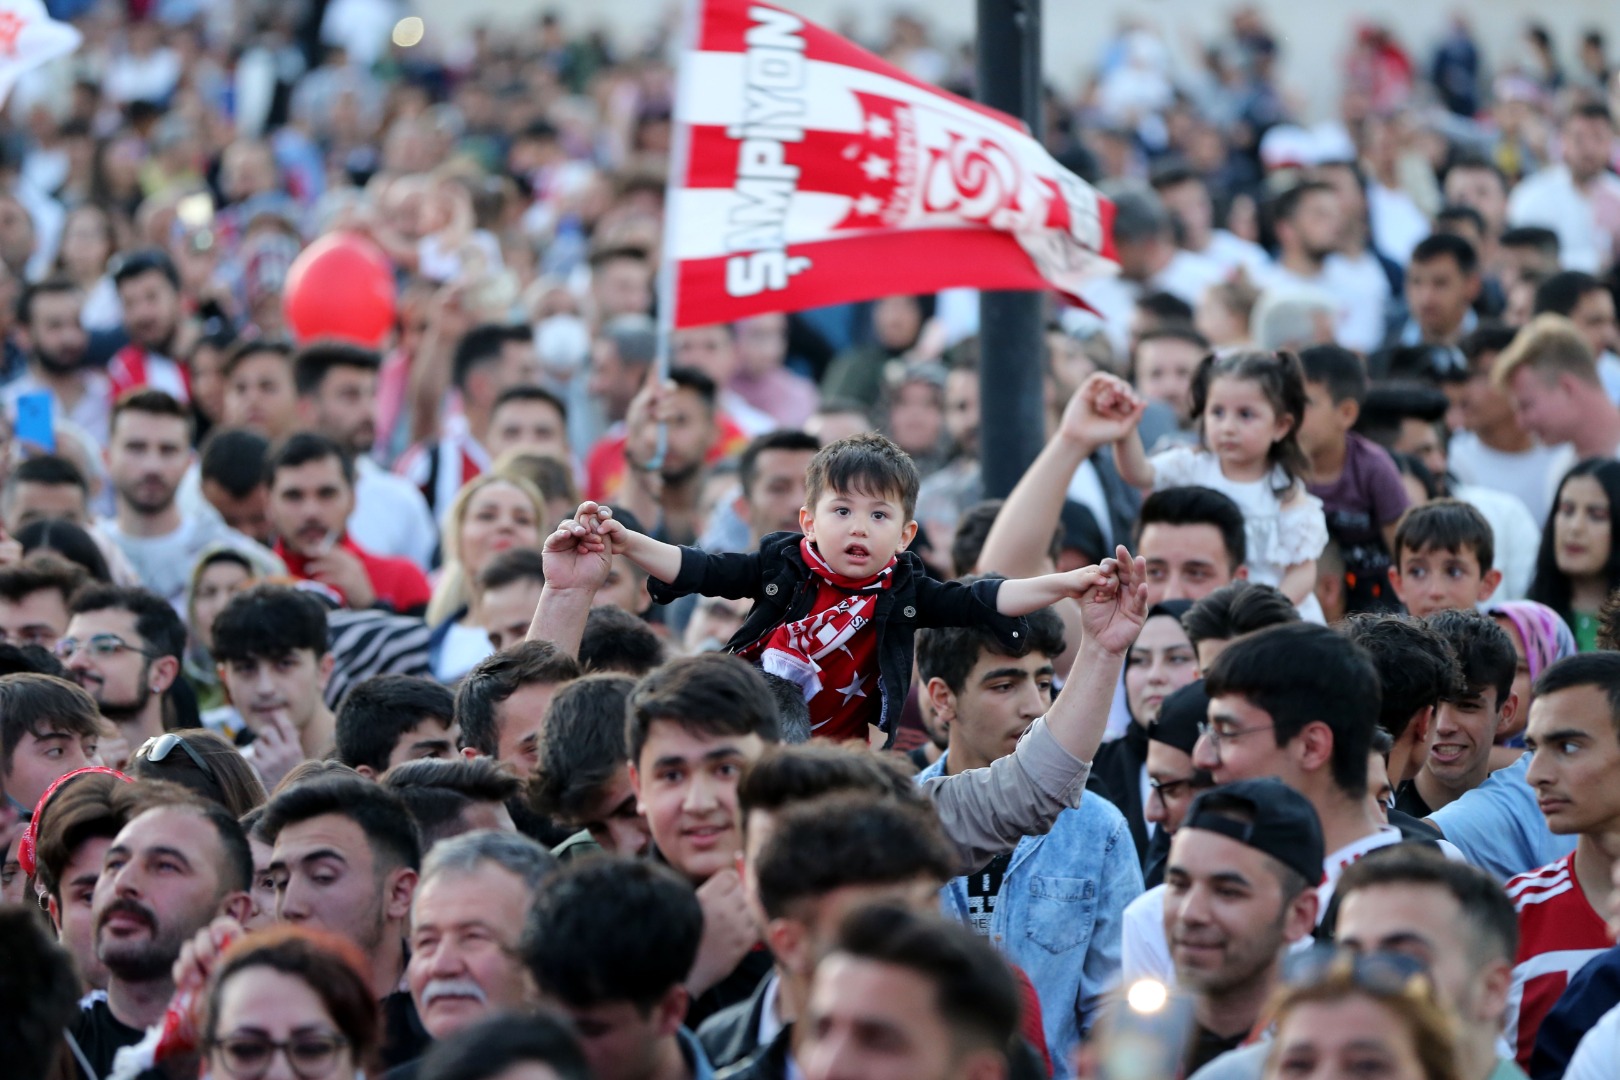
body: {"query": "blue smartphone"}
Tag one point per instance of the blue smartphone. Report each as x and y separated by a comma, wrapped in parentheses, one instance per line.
(34, 426)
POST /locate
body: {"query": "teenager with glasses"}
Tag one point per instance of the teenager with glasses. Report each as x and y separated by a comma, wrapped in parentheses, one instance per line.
(124, 646)
(290, 1002)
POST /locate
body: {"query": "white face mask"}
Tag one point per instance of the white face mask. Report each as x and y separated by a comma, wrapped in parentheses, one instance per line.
(564, 344)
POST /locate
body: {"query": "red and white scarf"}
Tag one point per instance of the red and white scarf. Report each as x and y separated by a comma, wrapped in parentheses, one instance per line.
(831, 653)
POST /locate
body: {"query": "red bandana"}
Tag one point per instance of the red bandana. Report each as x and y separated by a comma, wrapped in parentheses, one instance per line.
(831, 653)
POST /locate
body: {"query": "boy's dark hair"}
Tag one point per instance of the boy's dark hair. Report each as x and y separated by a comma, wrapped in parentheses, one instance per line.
(133, 264)
(785, 776)
(1173, 331)
(1489, 914)
(55, 285)
(852, 838)
(29, 659)
(377, 712)
(268, 622)
(1456, 213)
(1416, 667)
(690, 378)
(530, 393)
(67, 540)
(37, 573)
(1448, 525)
(1599, 669)
(438, 791)
(611, 929)
(949, 652)
(615, 640)
(973, 986)
(38, 997)
(255, 346)
(1485, 655)
(1326, 679)
(39, 706)
(867, 463)
(748, 464)
(792, 711)
(303, 447)
(1286, 205)
(1542, 239)
(1234, 610)
(712, 694)
(1168, 308)
(380, 813)
(582, 746)
(155, 618)
(1562, 293)
(1198, 506)
(495, 1047)
(49, 470)
(314, 362)
(152, 403)
(1338, 369)
(481, 345)
(497, 678)
(511, 566)
(1446, 246)
(235, 459)
(1488, 338)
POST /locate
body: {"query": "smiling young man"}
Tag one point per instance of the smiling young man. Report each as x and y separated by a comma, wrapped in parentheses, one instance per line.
(123, 645)
(1465, 724)
(1574, 741)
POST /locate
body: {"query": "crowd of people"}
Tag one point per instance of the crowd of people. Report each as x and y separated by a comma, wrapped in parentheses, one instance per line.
(480, 705)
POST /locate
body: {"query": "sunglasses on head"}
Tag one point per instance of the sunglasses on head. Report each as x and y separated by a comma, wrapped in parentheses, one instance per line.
(159, 747)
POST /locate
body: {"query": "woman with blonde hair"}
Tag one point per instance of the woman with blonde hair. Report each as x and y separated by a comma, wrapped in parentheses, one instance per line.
(491, 514)
(1372, 1016)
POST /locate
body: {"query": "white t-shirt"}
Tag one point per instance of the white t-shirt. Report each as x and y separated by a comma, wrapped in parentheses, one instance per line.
(1551, 199)
(1522, 475)
(164, 562)
(1516, 534)
(1599, 1050)
(390, 516)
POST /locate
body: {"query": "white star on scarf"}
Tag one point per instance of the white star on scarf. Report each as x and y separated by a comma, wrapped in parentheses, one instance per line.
(853, 690)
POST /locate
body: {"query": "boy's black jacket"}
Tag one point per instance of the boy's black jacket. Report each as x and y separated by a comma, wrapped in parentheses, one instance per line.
(783, 589)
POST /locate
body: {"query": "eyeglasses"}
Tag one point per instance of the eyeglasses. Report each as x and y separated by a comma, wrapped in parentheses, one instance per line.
(1206, 730)
(159, 747)
(1169, 789)
(100, 646)
(248, 1057)
(1389, 973)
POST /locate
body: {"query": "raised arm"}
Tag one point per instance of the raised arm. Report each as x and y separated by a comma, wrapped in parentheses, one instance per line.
(577, 562)
(987, 811)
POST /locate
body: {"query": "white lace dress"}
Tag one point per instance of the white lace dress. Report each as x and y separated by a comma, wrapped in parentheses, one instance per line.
(1276, 538)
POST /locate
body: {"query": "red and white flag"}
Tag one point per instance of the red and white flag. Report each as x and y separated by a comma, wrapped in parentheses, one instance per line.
(809, 172)
(30, 38)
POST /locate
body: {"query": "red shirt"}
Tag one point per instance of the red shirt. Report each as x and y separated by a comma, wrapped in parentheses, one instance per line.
(1558, 933)
(397, 582)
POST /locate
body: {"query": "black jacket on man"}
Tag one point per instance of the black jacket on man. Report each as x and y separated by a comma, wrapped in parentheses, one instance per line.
(784, 589)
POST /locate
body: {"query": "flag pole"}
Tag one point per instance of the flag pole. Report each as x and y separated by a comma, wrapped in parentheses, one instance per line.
(679, 154)
(1012, 424)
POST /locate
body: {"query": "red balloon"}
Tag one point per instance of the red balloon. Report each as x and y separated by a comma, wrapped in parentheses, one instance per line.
(341, 286)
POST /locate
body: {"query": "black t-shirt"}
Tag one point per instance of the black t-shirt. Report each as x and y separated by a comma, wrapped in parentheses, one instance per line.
(1207, 1046)
(982, 890)
(100, 1036)
(404, 1037)
(1408, 801)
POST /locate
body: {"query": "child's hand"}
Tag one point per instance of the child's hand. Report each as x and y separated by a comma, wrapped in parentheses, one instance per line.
(1114, 607)
(1103, 410)
(577, 555)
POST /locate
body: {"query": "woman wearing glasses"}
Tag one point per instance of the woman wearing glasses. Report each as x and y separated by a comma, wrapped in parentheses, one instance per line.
(290, 1004)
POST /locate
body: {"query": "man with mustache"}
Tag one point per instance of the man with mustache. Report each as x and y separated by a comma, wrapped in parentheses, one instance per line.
(148, 452)
(167, 874)
(337, 397)
(466, 925)
(123, 645)
(312, 495)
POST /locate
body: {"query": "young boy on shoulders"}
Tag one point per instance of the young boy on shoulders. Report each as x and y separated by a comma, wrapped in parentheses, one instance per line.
(836, 609)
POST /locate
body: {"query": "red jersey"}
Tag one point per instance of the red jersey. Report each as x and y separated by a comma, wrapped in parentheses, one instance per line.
(1558, 933)
(397, 582)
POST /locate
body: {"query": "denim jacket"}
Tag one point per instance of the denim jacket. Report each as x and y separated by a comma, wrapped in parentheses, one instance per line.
(1059, 913)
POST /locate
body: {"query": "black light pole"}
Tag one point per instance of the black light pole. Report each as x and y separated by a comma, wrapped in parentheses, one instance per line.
(1012, 422)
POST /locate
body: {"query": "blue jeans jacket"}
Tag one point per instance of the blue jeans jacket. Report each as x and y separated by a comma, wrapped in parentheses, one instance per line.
(1059, 913)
